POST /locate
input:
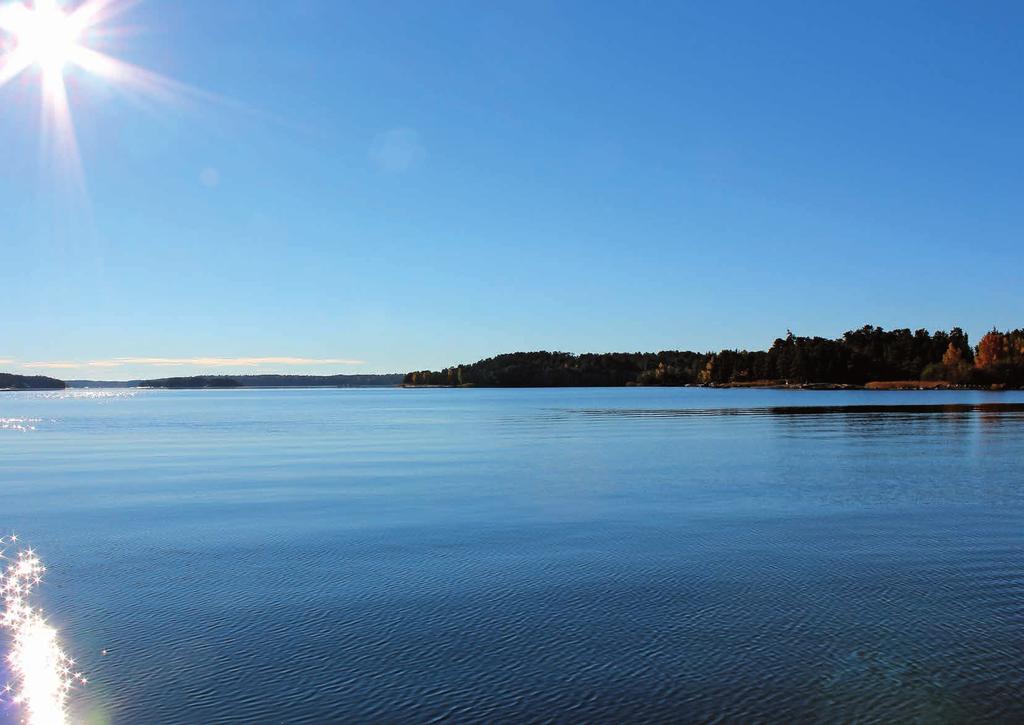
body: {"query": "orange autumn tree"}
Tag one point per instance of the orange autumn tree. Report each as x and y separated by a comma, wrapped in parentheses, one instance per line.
(993, 349)
(1000, 358)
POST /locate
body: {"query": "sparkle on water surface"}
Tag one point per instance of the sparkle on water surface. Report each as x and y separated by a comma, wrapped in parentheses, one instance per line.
(43, 673)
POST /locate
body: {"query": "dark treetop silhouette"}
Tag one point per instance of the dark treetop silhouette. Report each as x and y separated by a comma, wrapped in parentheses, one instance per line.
(858, 357)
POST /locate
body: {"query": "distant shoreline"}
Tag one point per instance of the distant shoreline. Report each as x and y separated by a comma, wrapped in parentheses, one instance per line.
(228, 382)
(881, 385)
(869, 358)
(13, 382)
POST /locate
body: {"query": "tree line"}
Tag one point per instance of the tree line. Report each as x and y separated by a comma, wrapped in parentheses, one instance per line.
(858, 357)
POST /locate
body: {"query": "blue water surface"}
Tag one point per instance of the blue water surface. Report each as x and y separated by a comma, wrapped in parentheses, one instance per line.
(575, 555)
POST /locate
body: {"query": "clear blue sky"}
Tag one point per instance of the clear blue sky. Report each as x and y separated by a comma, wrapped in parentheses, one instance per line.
(414, 184)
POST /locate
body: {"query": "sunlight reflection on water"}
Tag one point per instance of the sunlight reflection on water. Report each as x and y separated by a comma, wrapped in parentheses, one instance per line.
(43, 673)
(19, 424)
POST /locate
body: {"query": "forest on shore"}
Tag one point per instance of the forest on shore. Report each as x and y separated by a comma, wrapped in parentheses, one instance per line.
(860, 357)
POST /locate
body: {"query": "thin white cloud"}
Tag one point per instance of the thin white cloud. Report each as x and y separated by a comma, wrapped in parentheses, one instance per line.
(220, 362)
(211, 362)
(52, 365)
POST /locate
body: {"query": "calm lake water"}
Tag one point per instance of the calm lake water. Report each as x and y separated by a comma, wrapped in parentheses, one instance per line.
(580, 555)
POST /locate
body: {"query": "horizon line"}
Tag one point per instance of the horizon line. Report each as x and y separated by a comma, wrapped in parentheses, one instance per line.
(214, 362)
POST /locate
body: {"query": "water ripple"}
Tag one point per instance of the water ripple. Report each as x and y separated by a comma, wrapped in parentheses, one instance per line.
(495, 556)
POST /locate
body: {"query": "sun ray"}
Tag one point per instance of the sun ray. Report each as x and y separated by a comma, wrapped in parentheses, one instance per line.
(130, 76)
(94, 12)
(12, 66)
(12, 17)
(59, 137)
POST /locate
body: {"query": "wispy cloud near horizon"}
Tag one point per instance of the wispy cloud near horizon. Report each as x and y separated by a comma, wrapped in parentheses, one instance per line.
(51, 365)
(212, 362)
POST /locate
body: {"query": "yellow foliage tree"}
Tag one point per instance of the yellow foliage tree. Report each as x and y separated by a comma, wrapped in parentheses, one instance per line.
(953, 356)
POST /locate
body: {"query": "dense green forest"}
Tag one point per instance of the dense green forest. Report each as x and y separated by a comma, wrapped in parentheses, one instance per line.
(9, 381)
(858, 357)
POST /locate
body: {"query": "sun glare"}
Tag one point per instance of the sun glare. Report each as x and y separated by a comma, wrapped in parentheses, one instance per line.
(52, 38)
(46, 36)
(40, 34)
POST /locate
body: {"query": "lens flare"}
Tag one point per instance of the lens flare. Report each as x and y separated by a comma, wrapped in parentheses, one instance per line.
(43, 674)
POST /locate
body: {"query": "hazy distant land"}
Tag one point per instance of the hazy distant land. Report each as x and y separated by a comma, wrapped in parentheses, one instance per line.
(249, 381)
(9, 381)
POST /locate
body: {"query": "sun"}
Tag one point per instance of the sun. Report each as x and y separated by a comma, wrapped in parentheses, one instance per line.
(47, 36)
(44, 35)
(53, 38)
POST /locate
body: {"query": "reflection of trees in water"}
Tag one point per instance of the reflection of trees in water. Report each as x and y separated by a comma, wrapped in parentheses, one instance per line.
(887, 456)
(839, 455)
(949, 422)
(953, 422)
(999, 433)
